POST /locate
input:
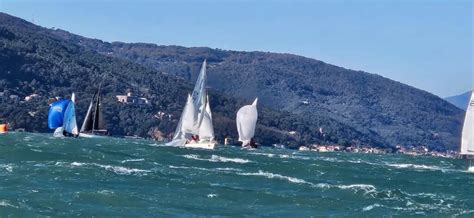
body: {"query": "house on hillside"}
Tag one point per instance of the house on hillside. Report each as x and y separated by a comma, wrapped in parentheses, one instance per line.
(32, 97)
(132, 99)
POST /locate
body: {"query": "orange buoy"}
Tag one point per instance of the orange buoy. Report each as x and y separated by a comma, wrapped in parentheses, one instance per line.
(3, 128)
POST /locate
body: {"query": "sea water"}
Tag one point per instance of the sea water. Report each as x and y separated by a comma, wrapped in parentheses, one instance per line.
(47, 176)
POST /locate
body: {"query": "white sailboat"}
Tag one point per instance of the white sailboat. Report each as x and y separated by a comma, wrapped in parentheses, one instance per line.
(246, 122)
(467, 141)
(62, 118)
(195, 129)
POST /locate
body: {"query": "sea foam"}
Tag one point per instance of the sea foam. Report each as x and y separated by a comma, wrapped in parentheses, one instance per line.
(216, 158)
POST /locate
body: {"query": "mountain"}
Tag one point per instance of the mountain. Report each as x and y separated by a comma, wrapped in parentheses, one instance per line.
(304, 100)
(460, 101)
(35, 60)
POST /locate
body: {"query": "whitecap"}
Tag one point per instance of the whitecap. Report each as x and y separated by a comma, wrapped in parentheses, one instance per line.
(7, 167)
(77, 164)
(123, 170)
(116, 169)
(226, 159)
(370, 207)
(356, 187)
(132, 160)
(212, 195)
(276, 176)
(216, 158)
(105, 192)
(417, 166)
(226, 169)
(6, 203)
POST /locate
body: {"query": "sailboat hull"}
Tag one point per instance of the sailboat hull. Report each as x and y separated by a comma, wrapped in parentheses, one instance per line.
(58, 132)
(471, 169)
(87, 135)
(201, 145)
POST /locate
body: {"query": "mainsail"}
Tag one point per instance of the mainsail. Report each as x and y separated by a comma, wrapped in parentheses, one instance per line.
(94, 120)
(199, 98)
(246, 122)
(467, 143)
(88, 122)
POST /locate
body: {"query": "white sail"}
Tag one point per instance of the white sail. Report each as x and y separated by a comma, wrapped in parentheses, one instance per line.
(246, 122)
(70, 124)
(187, 125)
(467, 143)
(206, 130)
(196, 118)
(199, 98)
(186, 121)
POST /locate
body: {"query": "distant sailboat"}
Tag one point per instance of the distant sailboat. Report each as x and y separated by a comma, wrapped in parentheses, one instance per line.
(195, 129)
(94, 123)
(467, 142)
(246, 122)
(62, 118)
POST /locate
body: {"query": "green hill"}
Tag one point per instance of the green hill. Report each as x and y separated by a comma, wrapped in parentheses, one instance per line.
(297, 94)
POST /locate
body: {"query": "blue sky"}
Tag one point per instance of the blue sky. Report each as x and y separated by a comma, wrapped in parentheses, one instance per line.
(427, 43)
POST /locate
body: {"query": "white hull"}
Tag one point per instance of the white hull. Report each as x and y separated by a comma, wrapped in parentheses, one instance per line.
(87, 135)
(471, 169)
(58, 132)
(202, 145)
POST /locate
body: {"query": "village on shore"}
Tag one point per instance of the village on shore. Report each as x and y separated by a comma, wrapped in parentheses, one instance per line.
(413, 151)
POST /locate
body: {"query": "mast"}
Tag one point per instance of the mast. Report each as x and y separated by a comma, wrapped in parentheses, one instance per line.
(95, 122)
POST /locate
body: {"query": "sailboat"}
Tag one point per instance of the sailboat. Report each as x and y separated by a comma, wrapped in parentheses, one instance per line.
(246, 121)
(62, 118)
(195, 129)
(467, 142)
(94, 123)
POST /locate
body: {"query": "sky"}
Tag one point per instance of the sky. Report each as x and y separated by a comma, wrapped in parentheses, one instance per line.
(426, 43)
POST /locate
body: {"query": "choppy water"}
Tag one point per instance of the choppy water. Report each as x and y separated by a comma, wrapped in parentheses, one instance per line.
(42, 175)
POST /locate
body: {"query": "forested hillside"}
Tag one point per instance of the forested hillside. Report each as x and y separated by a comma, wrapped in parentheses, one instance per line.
(372, 105)
(33, 60)
(318, 101)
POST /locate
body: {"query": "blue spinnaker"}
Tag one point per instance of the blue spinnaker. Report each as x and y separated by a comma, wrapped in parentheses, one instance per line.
(56, 113)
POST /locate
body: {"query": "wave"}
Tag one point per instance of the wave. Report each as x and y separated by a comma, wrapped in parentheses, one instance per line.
(132, 160)
(226, 169)
(5, 203)
(419, 167)
(216, 158)
(277, 176)
(370, 207)
(7, 167)
(282, 156)
(116, 169)
(366, 188)
(212, 195)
